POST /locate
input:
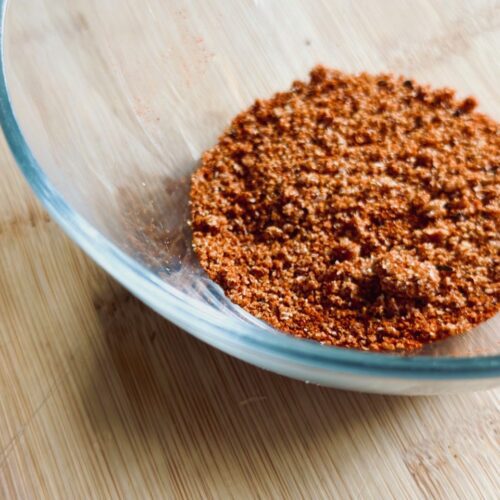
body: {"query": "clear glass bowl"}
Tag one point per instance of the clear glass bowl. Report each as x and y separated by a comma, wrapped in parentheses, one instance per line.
(108, 104)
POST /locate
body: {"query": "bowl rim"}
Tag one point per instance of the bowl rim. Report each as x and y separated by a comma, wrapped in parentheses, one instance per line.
(228, 334)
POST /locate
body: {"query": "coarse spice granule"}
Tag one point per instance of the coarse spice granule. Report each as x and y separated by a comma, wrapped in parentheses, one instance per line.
(356, 210)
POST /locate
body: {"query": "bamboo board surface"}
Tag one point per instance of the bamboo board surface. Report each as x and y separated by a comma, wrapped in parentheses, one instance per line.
(102, 398)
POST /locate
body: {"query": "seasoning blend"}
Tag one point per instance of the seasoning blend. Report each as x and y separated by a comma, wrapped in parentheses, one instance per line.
(355, 210)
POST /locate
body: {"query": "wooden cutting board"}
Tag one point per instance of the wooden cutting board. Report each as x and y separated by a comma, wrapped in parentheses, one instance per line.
(102, 398)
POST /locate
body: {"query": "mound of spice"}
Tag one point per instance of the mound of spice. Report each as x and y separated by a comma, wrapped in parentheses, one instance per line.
(356, 210)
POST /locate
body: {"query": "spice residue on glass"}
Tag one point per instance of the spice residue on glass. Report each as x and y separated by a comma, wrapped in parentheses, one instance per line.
(356, 210)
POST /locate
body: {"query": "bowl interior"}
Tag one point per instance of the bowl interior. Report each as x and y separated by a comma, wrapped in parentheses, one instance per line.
(118, 99)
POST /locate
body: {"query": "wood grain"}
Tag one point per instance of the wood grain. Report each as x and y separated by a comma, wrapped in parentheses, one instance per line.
(102, 398)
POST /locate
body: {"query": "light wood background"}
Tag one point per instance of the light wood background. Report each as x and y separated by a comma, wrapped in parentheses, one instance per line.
(102, 398)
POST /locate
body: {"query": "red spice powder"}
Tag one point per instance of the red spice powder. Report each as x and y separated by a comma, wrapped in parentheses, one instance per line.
(356, 210)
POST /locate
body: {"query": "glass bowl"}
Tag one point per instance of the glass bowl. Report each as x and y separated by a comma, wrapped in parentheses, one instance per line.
(107, 106)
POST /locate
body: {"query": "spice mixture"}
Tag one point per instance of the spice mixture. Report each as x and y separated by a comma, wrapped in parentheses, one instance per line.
(356, 210)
